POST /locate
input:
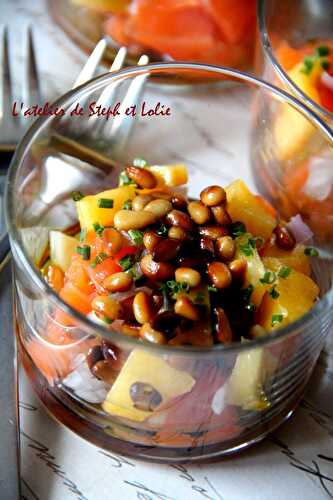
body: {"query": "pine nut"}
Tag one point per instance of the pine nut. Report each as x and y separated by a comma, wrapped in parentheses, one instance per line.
(184, 307)
(142, 308)
(219, 275)
(223, 328)
(187, 275)
(213, 195)
(128, 219)
(150, 240)
(140, 202)
(151, 335)
(179, 219)
(159, 271)
(198, 212)
(55, 277)
(106, 307)
(284, 239)
(238, 269)
(179, 202)
(141, 176)
(104, 371)
(221, 216)
(130, 329)
(206, 245)
(177, 233)
(166, 249)
(114, 240)
(212, 232)
(225, 248)
(94, 355)
(118, 282)
(159, 207)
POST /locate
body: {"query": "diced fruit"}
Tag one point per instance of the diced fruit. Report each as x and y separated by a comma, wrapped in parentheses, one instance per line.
(244, 206)
(89, 212)
(78, 275)
(35, 241)
(274, 258)
(145, 368)
(75, 298)
(236, 20)
(245, 385)
(170, 175)
(297, 294)
(62, 247)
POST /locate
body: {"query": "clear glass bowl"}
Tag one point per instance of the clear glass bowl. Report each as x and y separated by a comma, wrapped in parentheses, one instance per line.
(215, 32)
(303, 180)
(216, 400)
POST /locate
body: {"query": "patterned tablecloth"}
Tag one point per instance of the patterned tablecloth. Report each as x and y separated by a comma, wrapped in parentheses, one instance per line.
(296, 462)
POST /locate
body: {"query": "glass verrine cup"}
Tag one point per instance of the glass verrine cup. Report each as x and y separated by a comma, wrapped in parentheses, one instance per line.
(211, 400)
(292, 35)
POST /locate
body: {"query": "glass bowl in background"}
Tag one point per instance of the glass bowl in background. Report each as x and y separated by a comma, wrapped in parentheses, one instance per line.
(213, 31)
(214, 400)
(302, 182)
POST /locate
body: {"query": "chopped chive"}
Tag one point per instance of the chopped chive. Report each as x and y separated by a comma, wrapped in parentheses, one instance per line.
(99, 259)
(98, 228)
(174, 287)
(246, 250)
(253, 242)
(139, 162)
(126, 262)
(322, 51)
(127, 205)
(325, 65)
(83, 234)
(136, 236)
(308, 64)
(77, 195)
(107, 320)
(162, 230)
(273, 292)
(212, 288)
(311, 252)
(200, 297)
(84, 251)
(284, 272)
(237, 229)
(105, 203)
(276, 319)
(268, 278)
(124, 180)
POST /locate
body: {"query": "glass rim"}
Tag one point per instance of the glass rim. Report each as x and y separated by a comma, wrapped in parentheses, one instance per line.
(29, 267)
(269, 52)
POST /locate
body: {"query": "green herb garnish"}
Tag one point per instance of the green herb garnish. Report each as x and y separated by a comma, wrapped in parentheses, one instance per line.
(237, 229)
(212, 288)
(308, 64)
(105, 203)
(325, 65)
(139, 162)
(162, 230)
(174, 287)
(98, 228)
(322, 51)
(99, 259)
(276, 319)
(83, 234)
(273, 292)
(127, 205)
(200, 297)
(246, 249)
(311, 252)
(284, 272)
(124, 180)
(84, 251)
(136, 236)
(77, 195)
(268, 278)
(127, 262)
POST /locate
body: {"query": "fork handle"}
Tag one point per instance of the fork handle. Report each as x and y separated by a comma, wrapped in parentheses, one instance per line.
(9, 432)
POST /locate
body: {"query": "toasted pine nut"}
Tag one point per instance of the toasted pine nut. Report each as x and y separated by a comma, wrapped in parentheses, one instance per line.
(159, 207)
(132, 330)
(55, 277)
(221, 216)
(198, 212)
(212, 232)
(213, 195)
(206, 245)
(187, 275)
(179, 219)
(225, 248)
(140, 201)
(114, 240)
(166, 249)
(179, 201)
(143, 177)
(150, 240)
(223, 328)
(107, 307)
(118, 282)
(177, 233)
(128, 219)
(284, 239)
(151, 335)
(156, 270)
(104, 371)
(186, 308)
(219, 274)
(142, 308)
(238, 269)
